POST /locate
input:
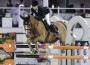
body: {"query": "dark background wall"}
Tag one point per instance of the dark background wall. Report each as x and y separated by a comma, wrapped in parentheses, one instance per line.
(61, 3)
(26, 2)
(77, 3)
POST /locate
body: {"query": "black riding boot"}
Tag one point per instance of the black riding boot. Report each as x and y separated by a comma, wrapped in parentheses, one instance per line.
(52, 28)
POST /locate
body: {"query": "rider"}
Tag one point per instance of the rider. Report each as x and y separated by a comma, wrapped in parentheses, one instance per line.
(42, 13)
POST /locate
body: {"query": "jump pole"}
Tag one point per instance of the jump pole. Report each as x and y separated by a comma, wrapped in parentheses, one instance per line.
(55, 47)
(53, 57)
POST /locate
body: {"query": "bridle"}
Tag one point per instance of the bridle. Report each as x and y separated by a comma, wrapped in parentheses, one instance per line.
(25, 23)
(28, 23)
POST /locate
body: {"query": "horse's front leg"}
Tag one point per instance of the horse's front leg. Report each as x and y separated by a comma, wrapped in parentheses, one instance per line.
(29, 44)
(32, 51)
(39, 39)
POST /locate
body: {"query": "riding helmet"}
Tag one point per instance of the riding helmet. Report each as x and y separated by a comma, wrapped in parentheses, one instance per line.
(34, 3)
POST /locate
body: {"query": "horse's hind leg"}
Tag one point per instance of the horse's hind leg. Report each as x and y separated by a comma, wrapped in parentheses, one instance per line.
(62, 43)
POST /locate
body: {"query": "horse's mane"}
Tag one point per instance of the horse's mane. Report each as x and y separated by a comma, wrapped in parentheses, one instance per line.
(37, 20)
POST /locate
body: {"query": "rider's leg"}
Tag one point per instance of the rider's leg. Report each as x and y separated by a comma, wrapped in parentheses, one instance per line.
(51, 27)
(47, 19)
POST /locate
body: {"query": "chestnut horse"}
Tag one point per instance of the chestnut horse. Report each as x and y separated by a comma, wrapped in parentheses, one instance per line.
(37, 32)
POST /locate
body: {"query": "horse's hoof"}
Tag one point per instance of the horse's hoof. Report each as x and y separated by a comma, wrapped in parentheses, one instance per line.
(35, 52)
(40, 60)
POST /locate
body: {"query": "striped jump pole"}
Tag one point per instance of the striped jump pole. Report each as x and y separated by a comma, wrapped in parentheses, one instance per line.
(53, 57)
(55, 47)
(26, 64)
(67, 47)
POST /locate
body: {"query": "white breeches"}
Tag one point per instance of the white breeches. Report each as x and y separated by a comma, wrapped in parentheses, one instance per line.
(47, 19)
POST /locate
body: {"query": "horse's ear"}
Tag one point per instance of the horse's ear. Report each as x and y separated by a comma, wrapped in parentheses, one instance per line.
(28, 16)
(22, 17)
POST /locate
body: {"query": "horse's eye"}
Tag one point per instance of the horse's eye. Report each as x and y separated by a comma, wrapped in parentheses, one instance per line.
(24, 23)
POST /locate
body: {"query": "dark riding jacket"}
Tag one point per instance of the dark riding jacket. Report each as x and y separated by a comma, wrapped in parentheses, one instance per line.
(42, 11)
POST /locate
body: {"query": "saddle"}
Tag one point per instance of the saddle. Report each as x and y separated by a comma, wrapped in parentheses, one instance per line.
(52, 28)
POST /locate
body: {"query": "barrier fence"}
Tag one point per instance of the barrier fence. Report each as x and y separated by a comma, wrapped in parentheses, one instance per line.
(53, 57)
(55, 47)
(52, 47)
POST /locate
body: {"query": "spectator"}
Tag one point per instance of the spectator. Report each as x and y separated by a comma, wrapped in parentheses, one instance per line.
(21, 3)
(1, 15)
(82, 11)
(17, 12)
(71, 10)
(15, 16)
(53, 2)
(9, 4)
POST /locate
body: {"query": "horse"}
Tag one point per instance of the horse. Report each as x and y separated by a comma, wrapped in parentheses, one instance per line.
(36, 31)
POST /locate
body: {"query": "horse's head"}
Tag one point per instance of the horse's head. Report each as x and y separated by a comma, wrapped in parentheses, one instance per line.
(28, 22)
(29, 19)
(26, 19)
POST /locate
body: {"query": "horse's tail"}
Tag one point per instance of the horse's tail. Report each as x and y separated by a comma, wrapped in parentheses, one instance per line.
(63, 24)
